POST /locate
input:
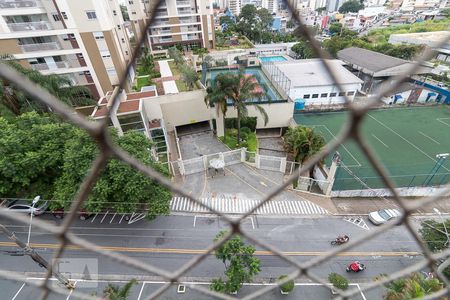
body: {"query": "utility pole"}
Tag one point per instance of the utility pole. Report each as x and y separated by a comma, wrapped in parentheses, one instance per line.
(36, 257)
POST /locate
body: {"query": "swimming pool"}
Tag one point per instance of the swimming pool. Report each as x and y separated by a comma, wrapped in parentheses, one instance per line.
(272, 58)
(271, 93)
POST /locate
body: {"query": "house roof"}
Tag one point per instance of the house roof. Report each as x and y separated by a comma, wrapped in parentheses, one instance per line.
(375, 63)
(311, 72)
(128, 106)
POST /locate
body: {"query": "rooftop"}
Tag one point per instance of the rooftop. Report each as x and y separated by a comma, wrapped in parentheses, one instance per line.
(370, 60)
(311, 72)
(431, 39)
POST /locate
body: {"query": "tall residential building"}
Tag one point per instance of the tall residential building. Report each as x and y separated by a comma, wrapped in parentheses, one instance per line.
(270, 5)
(189, 23)
(84, 40)
(410, 5)
(235, 6)
(138, 11)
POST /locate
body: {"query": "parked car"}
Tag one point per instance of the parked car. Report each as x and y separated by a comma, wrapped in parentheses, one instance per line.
(26, 207)
(383, 215)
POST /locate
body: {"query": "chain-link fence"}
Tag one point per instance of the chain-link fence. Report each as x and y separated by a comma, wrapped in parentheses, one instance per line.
(99, 132)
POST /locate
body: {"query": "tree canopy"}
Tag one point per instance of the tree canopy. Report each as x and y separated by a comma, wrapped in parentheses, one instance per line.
(40, 155)
(303, 142)
(413, 287)
(240, 264)
(254, 23)
(351, 6)
(303, 50)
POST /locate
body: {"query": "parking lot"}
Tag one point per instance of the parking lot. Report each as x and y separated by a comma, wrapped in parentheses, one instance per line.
(141, 290)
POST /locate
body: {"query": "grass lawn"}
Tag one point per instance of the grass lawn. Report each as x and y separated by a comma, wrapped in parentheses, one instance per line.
(174, 68)
(181, 85)
(142, 81)
(231, 140)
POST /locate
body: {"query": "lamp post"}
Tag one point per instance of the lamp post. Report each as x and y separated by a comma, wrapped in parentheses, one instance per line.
(443, 222)
(35, 200)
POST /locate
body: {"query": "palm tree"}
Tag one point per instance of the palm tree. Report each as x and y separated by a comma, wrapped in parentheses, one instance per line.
(216, 97)
(242, 90)
(303, 142)
(113, 292)
(60, 86)
(189, 76)
(415, 286)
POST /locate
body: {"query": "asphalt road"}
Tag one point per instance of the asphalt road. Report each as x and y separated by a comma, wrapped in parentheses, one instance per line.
(170, 242)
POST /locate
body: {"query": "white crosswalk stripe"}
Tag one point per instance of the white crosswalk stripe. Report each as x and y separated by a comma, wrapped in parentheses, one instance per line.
(238, 206)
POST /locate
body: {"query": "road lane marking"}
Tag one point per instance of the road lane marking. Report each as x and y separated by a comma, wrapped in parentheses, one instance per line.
(201, 251)
(140, 292)
(18, 292)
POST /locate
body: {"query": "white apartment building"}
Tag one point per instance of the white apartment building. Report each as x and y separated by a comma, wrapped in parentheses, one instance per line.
(84, 39)
(410, 5)
(235, 6)
(189, 23)
(270, 5)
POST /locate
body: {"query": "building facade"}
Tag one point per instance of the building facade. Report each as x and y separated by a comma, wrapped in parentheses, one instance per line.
(83, 40)
(189, 23)
(270, 5)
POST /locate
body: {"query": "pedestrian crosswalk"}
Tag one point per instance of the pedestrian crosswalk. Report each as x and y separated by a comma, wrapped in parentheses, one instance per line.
(230, 205)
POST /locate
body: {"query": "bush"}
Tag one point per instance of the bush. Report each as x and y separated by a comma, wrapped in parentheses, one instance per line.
(288, 286)
(246, 130)
(244, 136)
(249, 122)
(338, 281)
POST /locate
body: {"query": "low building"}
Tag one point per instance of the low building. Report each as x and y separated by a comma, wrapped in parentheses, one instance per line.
(375, 68)
(308, 83)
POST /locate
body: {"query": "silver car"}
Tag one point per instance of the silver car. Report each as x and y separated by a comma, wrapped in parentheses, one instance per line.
(383, 215)
(26, 207)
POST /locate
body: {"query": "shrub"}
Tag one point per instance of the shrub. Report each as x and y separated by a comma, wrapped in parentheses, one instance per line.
(287, 286)
(244, 136)
(338, 281)
(246, 130)
(249, 122)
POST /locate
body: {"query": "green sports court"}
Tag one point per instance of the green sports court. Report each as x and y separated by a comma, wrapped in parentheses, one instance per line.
(406, 141)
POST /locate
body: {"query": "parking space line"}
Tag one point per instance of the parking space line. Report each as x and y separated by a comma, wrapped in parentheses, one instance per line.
(18, 292)
(195, 220)
(112, 219)
(121, 218)
(140, 292)
(93, 219)
(104, 216)
(71, 290)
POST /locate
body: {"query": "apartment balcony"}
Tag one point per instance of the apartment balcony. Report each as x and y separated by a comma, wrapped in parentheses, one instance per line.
(56, 65)
(183, 3)
(40, 47)
(189, 20)
(20, 3)
(41, 25)
(185, 12)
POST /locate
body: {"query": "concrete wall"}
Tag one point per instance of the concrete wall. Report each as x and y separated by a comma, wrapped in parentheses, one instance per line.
(404, 192)
(296, 93)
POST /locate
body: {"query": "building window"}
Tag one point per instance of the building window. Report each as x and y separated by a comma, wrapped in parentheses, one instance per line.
(126, 52)
(306, 96)
(118, 27)
(56, 17)
(315, 95)
(350, 93)
(111, 71)
(332, 94)
(114, 13)
(135, 22)
(64, 15)
(341, 94)
(123, 40)
(323, 95)
(98, 35)
(130, 2)
(91, 15)
(105, 53)
(133, 12)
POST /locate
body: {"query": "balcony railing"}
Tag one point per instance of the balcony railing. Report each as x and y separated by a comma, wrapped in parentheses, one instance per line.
(40, 47)
(190, 20)
(183, 3)
(41, 25)
(184, 12)
(19, 3)
(72, 63)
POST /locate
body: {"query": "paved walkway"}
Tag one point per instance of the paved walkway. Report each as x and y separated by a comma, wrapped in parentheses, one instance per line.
(232, 205)
(167, 78)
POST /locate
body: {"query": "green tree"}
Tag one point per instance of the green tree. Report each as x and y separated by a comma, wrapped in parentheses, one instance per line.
(254, 23)
(120, 187)
(335, 28)
(351, 6)
(16, 101)
(114, 292)
(176, 55)
(240, 264)
(147, 61)
(200, 52)
(303, 50)
(242, 90)
(124, 11)
(189, 76)
(217, 97)
(303, 142)
(413, 287)
(321, 9)
(338, 281)
(290, 24)
(433, 233)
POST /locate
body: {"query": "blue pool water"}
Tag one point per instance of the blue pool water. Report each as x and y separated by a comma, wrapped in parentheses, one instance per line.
(272, 94)
(272, 58)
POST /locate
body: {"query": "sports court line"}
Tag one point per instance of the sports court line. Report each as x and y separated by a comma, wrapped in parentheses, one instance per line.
(345, 148)
(380, 140)
(443, 122)
(400, 136)
(428, 137)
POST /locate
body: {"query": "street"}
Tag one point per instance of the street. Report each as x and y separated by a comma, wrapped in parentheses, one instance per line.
(170, 242)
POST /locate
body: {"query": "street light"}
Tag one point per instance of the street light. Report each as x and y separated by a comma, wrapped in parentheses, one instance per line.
(35, 200)
(443, 222)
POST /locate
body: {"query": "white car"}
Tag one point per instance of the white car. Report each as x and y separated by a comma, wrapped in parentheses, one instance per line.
(383, 215)
(26, 207)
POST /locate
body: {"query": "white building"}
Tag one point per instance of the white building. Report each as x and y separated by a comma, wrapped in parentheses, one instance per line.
(410, 5)
(83, 40)
(270, 5)
(235, 6)
(308, 81)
